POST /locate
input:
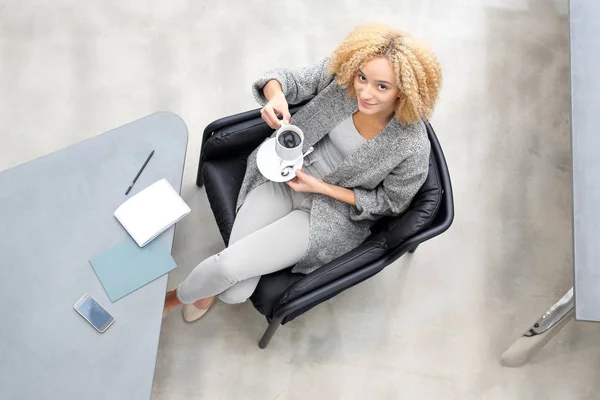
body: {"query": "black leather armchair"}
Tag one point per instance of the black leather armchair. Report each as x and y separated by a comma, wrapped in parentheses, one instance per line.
(282, 296)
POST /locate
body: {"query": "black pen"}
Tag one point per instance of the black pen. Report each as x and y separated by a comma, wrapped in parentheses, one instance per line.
(139, 172)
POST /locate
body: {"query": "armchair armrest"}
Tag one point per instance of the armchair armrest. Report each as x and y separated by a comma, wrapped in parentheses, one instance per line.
(237, 134)
(369, 251)
(234, 140)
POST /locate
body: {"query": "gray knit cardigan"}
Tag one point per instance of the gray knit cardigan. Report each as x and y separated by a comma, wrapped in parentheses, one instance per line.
(385, 172)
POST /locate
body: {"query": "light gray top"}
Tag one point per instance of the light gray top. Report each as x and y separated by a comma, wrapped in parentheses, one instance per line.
(585, 126)
(330, 151)
(56, 213)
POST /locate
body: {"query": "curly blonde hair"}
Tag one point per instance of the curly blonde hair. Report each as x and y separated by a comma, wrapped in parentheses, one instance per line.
(417, 69)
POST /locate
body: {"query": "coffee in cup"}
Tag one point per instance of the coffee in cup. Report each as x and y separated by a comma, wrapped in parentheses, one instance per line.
(288, 143)
(289, 139)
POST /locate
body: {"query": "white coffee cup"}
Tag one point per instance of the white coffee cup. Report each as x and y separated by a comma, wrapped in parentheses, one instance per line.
(288, 143)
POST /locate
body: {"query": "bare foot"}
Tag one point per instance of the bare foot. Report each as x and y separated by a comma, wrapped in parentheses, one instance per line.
(204, 303)
(171, 301)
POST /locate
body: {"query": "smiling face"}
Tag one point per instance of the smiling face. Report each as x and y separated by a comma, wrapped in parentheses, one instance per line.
(376, 89)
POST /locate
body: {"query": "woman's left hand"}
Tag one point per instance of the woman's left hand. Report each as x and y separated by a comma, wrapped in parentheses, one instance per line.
(306, 183)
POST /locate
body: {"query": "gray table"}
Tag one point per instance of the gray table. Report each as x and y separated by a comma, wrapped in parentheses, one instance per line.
(585, 126)
(583, 300)
(56, 213)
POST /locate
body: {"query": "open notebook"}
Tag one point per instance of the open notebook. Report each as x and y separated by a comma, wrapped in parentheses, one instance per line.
(151, 212)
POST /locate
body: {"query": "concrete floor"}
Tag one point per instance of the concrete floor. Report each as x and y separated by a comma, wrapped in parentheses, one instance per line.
(432, 326)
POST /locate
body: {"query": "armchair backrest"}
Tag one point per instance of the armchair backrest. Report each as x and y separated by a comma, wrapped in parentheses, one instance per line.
(424, 208)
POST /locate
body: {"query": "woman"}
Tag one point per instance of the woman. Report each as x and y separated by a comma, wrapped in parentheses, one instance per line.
(371, 157)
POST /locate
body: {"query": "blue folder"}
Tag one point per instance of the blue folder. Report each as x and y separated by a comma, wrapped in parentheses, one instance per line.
(127, 267)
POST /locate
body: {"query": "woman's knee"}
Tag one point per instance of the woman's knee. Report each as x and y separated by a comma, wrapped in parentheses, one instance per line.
(227, 267)
(233, 296)
(240, 292)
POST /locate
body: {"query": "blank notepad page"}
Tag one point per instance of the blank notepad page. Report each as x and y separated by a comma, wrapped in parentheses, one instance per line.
(151, 211)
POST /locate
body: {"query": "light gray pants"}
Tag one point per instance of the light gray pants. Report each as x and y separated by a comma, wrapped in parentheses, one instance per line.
(270, 233)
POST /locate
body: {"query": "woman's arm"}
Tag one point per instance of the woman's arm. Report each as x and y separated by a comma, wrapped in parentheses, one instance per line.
(393, 196)
(340, 193)
(271, 89)
(296, 83)
(306, 183)
(276, 105)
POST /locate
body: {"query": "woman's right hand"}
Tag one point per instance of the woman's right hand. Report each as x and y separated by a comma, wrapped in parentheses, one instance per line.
(277, 105)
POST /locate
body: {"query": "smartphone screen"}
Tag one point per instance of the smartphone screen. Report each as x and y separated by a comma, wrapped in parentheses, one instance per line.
(94, 313)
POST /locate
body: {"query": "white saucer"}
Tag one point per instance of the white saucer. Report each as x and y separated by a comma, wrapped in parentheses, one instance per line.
(270, 165)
